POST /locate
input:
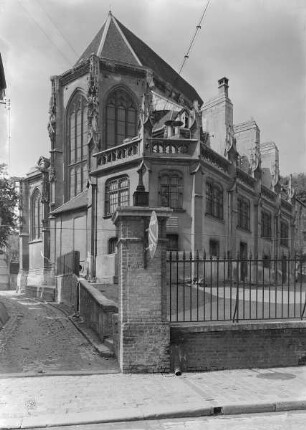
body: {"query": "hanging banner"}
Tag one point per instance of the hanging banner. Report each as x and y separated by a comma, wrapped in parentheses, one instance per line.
(153, 234)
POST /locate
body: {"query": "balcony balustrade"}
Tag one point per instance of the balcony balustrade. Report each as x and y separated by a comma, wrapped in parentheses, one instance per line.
(170, 146)
(118, 154)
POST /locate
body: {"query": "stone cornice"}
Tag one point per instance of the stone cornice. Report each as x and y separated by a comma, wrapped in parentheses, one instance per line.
(74, 73)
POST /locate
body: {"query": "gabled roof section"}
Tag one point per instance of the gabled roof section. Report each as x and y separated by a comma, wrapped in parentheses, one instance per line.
(150, 59)
(115, 42)
(111, 43)
(93, 47)
(78, 202)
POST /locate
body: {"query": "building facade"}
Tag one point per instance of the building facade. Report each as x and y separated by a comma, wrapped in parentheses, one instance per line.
(123, 120)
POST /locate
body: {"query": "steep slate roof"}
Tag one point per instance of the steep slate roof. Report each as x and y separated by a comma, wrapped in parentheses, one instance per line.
(114, 41)
(77, 202)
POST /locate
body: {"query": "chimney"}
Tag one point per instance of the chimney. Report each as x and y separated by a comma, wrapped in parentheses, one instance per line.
(223, 86)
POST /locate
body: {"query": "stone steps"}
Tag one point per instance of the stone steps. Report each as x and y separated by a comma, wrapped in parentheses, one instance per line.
(43, 292)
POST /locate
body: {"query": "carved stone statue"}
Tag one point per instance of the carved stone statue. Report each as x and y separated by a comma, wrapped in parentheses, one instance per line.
(52, 114)
(229, 139)
(275, 173)
(255, 158)
(43, 165)
(291, 189)
(93, 102)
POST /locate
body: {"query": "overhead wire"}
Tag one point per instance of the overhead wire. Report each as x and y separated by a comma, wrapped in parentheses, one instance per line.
(57, 27)
(59, 228)
(186, 56)
(198, 27)
(44, 32)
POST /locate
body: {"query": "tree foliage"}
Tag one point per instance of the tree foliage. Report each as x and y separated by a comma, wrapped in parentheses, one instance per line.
(299, 183)
(8, 206)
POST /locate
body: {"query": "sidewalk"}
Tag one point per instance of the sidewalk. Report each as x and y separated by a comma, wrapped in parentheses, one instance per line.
(27, 402)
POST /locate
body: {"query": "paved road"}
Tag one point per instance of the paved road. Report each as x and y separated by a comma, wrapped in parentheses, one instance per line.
(40, 338)
(276, 421)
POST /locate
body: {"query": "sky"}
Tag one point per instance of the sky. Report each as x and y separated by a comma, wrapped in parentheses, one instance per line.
(259, 45)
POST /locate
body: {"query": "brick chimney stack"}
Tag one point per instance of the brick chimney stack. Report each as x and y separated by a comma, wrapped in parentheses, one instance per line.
(223, 86)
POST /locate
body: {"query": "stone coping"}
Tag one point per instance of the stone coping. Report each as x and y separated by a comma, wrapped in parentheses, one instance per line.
(107, 304)
(200, 327)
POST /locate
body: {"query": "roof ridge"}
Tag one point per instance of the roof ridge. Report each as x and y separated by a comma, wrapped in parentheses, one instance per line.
(104, 33)
(125, 40)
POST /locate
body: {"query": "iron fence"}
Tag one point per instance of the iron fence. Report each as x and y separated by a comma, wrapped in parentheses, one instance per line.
(201, 288)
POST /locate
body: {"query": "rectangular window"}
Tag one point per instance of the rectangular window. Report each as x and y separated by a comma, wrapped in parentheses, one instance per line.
(117, 193)
(284, 233)
(266, 225)
(172, 242)
(171, 191)
(214, 248)
(112, 245)
(214, 200)
(243, 207)
(209, 198)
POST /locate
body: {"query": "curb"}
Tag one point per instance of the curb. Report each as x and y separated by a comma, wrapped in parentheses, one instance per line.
(141, 414)
(102, 349)
(57, 373)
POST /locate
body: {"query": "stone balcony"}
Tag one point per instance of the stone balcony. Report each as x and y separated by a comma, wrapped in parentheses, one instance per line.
(128, 151)
(132, 149)
(169, 147)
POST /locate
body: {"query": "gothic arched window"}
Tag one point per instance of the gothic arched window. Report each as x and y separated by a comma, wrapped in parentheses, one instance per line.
(36, 215)
(77, 144)
(171, 190)
(120, 117)
(214, 199)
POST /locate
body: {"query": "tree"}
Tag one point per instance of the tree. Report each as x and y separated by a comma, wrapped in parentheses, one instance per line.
(8, 206)
(299, 184)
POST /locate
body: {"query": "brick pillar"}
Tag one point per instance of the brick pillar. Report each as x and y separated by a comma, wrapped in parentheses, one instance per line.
(144, 333)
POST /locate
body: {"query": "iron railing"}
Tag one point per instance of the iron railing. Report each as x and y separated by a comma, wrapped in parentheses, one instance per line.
(201, 288)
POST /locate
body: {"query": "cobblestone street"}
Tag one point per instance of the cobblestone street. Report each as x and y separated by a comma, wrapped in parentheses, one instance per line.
(40, 338)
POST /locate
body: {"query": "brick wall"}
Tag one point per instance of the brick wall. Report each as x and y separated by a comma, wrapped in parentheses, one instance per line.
(217, 347)
(145, 347)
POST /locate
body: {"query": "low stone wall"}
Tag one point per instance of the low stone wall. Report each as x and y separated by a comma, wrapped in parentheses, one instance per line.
(96, 310)
(199, 347)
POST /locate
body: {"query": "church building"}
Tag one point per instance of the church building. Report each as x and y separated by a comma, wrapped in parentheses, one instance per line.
(126, 129)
